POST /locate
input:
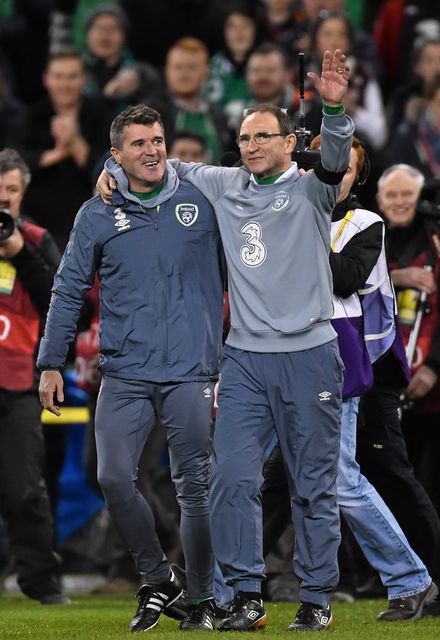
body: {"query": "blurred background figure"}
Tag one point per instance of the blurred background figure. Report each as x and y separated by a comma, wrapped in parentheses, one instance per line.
(417, 139)
(186, 71)
(112, 72)
(364, 101)
(424, 70)
(188, 147)
(28, 261)
(227, 86)
(63, 137)
(396, 25)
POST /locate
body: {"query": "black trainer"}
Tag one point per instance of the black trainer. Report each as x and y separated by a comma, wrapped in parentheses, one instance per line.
(410, 608)
(179, 609)
(154, 600)
(246, 615)
(311, 617)
(200, 618)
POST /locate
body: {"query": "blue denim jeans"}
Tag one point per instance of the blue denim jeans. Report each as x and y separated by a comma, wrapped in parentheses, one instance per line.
(375, 528)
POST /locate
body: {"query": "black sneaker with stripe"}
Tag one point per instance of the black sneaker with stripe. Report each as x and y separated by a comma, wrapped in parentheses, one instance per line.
(246, 615)
(311, 617)
(154, 600)
(200, 618)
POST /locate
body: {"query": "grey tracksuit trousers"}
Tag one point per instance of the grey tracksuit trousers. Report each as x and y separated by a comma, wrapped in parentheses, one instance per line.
(298, 396)
(125, 415)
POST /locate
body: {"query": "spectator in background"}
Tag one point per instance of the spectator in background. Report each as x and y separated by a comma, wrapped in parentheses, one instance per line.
(188, 147)
(111, 70)
(397, 26)
(269, 77)
(186, 71)
(284, 23)
(62, 139)
(417, 140)
(425, 68)
(227, 85)
(171, 20)
(364, 99)
(28, 261)
(315, 10)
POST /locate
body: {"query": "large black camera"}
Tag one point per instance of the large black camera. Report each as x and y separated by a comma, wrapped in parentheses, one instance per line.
(7, 224)
(428, 203)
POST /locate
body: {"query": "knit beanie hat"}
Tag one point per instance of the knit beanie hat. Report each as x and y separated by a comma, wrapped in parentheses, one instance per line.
(106, 8)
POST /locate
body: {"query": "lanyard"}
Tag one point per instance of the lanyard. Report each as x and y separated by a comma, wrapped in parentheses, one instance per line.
(347, 217)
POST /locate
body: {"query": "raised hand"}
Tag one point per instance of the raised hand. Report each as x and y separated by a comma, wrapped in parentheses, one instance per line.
(333, 83)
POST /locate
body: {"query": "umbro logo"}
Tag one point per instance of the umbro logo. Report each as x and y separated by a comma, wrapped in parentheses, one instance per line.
(252, 615)
(207, 392)
(324, 395)
(122, 223)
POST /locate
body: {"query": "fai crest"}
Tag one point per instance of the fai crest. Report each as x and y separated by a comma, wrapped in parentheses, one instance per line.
(281, 200)
(187, 214)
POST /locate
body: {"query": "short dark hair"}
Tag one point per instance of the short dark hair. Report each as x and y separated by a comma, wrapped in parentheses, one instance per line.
(10, 159)
(136, 114)
(186, 134)
(286, 124)
(266, 48)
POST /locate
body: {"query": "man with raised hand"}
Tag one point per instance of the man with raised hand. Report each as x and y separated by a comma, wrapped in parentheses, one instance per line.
(281, 370)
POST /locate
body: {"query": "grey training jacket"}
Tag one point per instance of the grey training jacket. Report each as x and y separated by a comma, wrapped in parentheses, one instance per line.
(276, 240)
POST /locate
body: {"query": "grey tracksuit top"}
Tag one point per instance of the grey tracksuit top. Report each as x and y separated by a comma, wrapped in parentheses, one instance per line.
(276, 240)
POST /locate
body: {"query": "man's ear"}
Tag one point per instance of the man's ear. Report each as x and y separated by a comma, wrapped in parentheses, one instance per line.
(290, 143)
(115, 153)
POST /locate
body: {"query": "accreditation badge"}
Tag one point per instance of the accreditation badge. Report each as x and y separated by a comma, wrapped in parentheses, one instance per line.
(8, 274)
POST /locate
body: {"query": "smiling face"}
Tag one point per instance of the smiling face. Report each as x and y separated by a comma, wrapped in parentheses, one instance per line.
(268, 159)
(142, 156)
(397, 198)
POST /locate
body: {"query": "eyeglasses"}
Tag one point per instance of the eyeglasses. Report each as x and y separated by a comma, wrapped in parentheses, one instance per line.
(259, 138)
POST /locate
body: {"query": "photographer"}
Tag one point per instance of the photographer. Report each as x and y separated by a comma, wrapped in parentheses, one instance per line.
(414, 256)
(28, 260)
(382, 450)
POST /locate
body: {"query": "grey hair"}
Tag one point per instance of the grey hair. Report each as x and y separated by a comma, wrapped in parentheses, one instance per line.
(411, 171)
(10, 159)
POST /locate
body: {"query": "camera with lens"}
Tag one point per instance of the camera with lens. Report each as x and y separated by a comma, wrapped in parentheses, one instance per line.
(7, 224)
(428, 203)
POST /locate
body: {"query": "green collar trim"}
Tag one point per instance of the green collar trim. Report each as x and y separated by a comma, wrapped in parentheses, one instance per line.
(269, 180)
(142, 195)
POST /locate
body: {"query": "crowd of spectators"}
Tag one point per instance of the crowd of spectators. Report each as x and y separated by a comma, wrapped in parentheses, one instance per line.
(200, 64)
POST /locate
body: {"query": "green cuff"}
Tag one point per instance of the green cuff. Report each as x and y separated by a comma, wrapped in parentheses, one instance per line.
(333, 111)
